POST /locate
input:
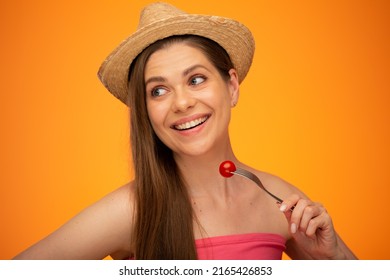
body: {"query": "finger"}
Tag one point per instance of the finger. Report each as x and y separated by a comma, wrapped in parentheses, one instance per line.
(310, 212)
(297, 214)
(289, 202)
(287, 214)
(321, 222)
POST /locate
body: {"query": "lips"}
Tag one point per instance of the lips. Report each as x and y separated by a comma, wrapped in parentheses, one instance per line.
(189, 124)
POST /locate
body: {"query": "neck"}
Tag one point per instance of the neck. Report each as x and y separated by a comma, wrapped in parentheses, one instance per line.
(201, 172)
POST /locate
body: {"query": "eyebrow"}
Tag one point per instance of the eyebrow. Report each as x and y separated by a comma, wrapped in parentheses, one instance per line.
(155, 79)
(192, 68)
(185, 73)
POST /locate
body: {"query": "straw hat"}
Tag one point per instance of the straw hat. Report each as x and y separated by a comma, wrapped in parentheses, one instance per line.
(161, 20)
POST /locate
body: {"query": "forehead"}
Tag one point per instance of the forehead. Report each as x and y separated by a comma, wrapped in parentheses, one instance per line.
(175, 56)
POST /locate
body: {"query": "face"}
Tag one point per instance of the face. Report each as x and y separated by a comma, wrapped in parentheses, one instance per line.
(188, 101)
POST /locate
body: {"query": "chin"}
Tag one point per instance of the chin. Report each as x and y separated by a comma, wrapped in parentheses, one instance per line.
(194, 152)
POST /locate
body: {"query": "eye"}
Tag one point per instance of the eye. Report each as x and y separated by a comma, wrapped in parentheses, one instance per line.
(197, 80)
(158, 91)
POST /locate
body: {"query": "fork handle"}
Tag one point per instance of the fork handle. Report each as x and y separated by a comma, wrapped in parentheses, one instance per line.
(255, 179)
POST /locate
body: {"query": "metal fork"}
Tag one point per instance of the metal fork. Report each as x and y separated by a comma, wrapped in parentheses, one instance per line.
(254, 178)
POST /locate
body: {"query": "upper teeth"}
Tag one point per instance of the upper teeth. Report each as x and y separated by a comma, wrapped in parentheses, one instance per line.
(190, 124)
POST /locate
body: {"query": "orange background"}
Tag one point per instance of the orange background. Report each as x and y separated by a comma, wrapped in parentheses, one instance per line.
(314, 109)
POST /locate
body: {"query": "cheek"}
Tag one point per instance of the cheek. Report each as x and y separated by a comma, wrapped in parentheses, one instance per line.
(221, 95)
(152, 117)
(215, 97)
(156, 115)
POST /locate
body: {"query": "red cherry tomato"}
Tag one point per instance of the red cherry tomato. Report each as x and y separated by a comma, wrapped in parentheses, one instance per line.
(226, 168)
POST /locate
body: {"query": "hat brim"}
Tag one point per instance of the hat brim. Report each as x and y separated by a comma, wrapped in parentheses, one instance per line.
(233, 36)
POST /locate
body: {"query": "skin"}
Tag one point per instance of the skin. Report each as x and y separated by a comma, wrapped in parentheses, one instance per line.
(182, 85)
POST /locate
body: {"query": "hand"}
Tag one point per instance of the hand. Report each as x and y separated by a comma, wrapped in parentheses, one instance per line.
(311, 228)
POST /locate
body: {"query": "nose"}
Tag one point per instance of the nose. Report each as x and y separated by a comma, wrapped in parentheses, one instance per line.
(182, 101)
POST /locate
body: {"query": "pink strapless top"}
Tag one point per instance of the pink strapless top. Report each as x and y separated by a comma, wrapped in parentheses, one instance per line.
(251, 246)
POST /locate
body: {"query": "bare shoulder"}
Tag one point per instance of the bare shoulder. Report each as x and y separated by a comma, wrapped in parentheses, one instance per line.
(101, 229)
(116, 205)
(122, 197)
(276, 184)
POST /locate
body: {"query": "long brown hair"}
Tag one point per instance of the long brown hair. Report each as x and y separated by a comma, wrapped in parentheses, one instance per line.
(163, 225)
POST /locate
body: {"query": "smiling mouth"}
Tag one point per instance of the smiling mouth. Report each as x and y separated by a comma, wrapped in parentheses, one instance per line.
(191, 124)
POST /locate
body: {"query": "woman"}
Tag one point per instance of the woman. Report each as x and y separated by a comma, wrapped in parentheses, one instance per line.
(180, 76)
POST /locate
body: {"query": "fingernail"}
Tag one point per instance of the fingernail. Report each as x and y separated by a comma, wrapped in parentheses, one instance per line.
(283, 207)
(293, 228)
